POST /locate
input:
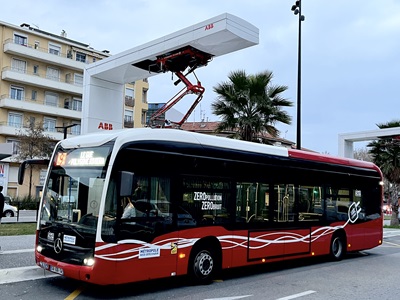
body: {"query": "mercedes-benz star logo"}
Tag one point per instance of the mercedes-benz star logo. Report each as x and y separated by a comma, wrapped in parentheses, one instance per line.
(58, 246)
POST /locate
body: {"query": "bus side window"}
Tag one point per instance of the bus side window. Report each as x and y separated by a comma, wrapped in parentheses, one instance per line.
(310, 203)
(284, 209)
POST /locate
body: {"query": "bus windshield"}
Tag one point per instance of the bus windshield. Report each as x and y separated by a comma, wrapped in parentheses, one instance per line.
(74, 187)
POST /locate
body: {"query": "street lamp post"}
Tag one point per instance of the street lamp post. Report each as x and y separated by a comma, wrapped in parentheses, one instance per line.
(64, 128)
(296, 8)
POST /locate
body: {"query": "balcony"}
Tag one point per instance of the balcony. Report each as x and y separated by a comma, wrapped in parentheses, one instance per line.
(38, 106)
(16, 129)
(24, 77)
(42, 54)
(129, 101)
(128, 124)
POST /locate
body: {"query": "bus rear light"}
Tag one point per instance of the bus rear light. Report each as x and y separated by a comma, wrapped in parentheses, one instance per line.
(88, 261)
(312, 253)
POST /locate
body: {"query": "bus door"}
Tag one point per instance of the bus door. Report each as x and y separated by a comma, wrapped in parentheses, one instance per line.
(254, 220)
(271, 220)
(293, 236)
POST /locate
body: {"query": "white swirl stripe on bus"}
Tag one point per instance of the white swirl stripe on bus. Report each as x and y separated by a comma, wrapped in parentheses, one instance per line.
(234, 241)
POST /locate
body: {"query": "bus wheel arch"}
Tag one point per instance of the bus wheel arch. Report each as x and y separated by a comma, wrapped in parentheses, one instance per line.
(338, 245)
(205, 260)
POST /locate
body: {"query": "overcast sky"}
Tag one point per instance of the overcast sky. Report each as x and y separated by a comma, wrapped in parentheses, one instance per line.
(350, 52)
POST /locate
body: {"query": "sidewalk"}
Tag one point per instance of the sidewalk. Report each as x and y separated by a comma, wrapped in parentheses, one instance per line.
(24, 216)
(17, 242)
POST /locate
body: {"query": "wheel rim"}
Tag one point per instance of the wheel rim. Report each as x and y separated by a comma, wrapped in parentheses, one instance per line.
(337, 247)
(204, 264)
(8, 214)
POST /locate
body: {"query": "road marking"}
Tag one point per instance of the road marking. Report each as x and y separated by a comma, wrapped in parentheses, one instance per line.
(297, 295)
(392, 244)
(23, 274)
(75, 294)
(230, 298)
(17, 251)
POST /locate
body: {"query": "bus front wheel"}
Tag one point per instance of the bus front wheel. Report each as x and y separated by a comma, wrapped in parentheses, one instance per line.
(203, 266)
(338, 247)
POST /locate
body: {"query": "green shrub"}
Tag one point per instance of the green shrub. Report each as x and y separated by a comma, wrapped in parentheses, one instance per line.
(26, 202)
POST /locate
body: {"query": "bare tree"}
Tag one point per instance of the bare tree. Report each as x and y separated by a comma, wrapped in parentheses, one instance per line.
(33, 144)
(362, 154)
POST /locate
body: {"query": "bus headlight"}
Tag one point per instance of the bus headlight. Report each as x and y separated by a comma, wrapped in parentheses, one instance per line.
(88, 261)
(39, 248)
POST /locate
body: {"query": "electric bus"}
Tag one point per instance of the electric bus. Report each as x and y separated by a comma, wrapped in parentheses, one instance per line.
(202, 204)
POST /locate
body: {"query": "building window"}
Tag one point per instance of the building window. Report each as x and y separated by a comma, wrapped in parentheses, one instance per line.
(37, 44)
(17, 93)
(20, 39)
(53, 74)
(54, 49)
(36, 70)
(78, 79)
(129, 92)
(144, 96)
(32, 121)
(128, 116)
(49, 124)
(143, 118)
(18, 65)
(15, 145)
(80, 57)
(51, 99)
(77, 104)
(34, 95)
(76, 130)
(14, 120)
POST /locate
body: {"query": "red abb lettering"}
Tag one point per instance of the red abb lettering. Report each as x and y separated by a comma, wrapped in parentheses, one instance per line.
(105, 126)
(209, 26)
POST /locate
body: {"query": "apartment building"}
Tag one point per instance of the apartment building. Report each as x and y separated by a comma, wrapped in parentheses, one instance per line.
(42, 83)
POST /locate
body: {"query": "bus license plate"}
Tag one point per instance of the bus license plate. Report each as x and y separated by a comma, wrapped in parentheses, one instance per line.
(56, 270)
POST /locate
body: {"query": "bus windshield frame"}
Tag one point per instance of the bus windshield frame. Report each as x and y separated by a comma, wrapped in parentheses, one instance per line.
(70, 202)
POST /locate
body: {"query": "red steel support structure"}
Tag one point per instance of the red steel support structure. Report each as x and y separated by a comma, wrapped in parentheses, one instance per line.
(177, 62)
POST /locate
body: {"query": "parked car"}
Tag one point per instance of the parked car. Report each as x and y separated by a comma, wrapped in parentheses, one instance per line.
(386, 209)
(9, 210)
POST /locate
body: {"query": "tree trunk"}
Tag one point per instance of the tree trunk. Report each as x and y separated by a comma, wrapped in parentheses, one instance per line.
(394, 220)
(30, 183)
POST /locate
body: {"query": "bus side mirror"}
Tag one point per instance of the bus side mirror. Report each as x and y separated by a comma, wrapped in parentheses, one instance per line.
(22, 167)
(126, 183)
(21, 173)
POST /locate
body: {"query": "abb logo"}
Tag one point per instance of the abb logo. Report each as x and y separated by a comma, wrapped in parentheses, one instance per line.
(209, 26)
(105, 126)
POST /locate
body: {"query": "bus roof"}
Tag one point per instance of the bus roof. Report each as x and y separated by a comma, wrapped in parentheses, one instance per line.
(174, 135)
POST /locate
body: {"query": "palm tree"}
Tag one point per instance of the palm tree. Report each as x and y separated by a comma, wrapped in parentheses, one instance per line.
(386, 155)
(250, 104)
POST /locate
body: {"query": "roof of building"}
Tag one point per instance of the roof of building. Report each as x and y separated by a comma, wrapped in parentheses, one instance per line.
(210, 128)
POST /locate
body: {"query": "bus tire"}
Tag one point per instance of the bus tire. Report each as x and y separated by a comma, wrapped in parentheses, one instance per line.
(338, 247)
(203, 266)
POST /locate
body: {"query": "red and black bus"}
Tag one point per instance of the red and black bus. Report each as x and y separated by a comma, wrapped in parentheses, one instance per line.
(201, 204)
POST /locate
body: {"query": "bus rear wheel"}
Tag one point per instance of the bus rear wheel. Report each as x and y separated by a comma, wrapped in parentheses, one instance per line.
(203, 266)
(338, 247)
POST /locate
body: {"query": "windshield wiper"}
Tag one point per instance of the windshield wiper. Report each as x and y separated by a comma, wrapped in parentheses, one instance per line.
(72, 228)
